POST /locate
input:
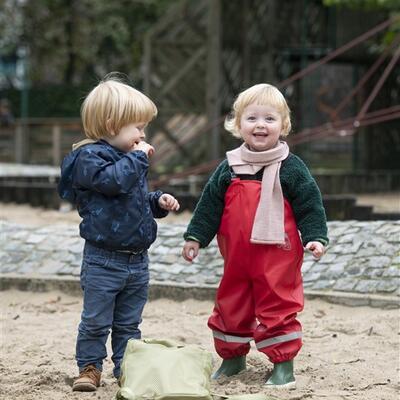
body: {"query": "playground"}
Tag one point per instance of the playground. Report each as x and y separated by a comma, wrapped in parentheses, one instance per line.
(348, 353)
(336, 63)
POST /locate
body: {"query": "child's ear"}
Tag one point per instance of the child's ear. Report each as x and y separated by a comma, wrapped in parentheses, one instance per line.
(110, 127)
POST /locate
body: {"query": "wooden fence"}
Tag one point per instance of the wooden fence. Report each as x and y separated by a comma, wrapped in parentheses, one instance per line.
(39, 140)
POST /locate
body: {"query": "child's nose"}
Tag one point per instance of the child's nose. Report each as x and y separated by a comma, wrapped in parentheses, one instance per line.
(260, 123)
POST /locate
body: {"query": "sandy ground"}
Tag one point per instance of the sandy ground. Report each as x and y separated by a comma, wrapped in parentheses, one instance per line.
(348, 353)
(382, 202)
(40, 216)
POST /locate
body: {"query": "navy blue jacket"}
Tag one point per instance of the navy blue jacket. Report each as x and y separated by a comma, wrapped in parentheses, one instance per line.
(109, 188)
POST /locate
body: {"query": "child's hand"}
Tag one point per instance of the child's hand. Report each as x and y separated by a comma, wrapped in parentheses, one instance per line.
(168, 202)
(145, 147)
(190, 250)
(316, 248)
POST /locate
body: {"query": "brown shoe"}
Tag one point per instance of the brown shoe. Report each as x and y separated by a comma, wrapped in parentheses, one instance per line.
(88, 380)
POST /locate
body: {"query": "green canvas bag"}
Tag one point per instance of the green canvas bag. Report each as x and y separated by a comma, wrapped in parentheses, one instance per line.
(164, 370)
(157, 369)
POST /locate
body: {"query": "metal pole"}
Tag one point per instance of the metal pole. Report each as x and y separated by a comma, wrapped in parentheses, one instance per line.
(378, 86)
(22, 136)
(364, 79)
(355, 145)
(24, 107)
(326, 130)
(339, 51)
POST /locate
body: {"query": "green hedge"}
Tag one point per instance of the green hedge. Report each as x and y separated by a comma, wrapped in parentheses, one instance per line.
(51, 101)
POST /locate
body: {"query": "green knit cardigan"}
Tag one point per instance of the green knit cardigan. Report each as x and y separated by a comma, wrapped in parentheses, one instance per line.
(298, 187)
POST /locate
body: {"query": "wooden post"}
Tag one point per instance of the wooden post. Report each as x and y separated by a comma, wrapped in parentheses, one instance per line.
(213, 79)
(20, 143)
(56, 144)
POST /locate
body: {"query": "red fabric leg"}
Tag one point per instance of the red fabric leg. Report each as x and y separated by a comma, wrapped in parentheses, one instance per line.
(278, 294)
(262, 281)
(233, 320)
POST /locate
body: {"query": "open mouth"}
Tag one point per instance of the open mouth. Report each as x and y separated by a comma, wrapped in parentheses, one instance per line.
(260, 134)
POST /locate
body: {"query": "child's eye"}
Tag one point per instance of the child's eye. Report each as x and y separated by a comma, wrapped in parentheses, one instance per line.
(251, 118)
(270, 119)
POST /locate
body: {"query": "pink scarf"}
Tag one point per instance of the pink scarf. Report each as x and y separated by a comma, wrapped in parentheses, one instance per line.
(268, 226)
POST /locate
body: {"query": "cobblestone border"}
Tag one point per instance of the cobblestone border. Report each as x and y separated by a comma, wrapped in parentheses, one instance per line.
(173, 291)
(363, 260)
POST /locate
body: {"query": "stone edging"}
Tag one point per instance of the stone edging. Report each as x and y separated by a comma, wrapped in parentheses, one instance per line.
(362, 264)
(180, 292)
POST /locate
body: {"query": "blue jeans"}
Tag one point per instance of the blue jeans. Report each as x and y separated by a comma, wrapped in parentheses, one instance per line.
(115, 289)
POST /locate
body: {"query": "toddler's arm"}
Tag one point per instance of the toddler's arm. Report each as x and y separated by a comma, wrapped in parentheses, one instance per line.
(168, 202)
(161, 203)
(207, 215)
(110, 178)
(190, 250)
(145, 147)
(306, 201)
(316, 248)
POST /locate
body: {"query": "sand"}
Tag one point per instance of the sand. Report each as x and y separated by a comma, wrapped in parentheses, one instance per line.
(37, 216)
(348, 353)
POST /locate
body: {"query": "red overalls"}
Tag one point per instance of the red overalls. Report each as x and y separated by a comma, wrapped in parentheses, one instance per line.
(261, 290)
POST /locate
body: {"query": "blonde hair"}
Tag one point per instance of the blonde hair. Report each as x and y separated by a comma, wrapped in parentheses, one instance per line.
(261, 94)
(113, 104)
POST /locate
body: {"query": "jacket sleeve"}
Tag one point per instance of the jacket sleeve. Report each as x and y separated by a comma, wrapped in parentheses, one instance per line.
(157, 211)
(107, 177)
(208, 212)
(306, 201)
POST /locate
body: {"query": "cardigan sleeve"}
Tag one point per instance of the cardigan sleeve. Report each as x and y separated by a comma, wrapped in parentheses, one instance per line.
(208, 212)
(306, 200)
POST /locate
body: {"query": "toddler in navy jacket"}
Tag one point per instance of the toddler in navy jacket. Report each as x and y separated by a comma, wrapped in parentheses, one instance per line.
(105, 177)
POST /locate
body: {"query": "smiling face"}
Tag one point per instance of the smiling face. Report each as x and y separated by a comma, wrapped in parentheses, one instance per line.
(260, 126)
(128, 136)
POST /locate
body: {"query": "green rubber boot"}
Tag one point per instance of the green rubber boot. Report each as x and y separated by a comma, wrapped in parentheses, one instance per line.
(282, 376)
(230, 366)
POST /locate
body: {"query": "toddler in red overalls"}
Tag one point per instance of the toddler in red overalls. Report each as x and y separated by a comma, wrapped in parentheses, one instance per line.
(257, 201)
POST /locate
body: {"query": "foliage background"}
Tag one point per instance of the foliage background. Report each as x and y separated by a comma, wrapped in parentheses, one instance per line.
(72, 44)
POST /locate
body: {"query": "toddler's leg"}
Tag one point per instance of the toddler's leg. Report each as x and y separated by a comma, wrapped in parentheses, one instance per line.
(96, 319)
(282, 376)
(279, 333)
(279, 296)
(129, 305)
(99, 291)
(233, 321)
